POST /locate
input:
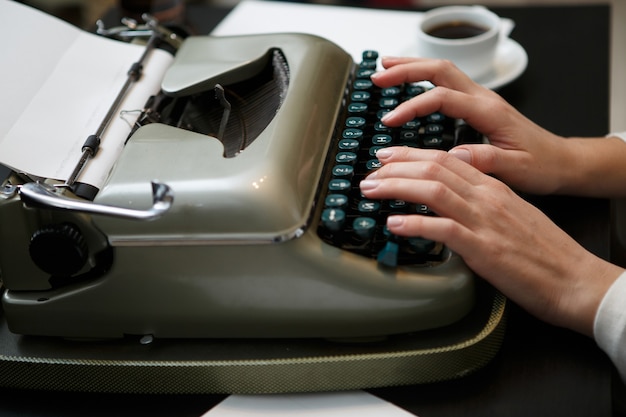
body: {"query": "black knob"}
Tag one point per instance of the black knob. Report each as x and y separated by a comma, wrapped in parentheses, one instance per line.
(59, 249)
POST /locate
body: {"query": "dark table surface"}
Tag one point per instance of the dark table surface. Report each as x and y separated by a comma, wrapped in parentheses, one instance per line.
(541, 370)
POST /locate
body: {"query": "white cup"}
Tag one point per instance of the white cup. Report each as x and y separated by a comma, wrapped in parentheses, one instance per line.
(473, 54)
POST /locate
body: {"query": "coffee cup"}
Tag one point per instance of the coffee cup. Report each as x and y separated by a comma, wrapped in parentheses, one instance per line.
(465, 35)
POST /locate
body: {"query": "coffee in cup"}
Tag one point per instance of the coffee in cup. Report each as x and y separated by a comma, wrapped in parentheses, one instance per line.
(457, 30)
(465, 35)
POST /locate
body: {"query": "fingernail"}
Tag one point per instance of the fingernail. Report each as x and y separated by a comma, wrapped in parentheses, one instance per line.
(386, 116)
(462, 154)
(383, 153)
(368, 184)
(395, 221)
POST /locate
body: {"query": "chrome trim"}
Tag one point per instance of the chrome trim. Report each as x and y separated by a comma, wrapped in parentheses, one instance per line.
(40, 195)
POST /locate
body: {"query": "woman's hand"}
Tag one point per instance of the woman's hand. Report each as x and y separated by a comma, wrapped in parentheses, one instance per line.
(520, 153)
(503, 238)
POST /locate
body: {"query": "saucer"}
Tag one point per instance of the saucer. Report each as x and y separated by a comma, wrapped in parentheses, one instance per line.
(509, 63)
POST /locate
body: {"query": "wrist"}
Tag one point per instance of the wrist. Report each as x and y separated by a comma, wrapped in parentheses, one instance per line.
(587, 293)
(592, 167)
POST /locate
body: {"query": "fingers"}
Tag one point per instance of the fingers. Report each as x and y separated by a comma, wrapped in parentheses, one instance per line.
(439, 229)
(455, 94)
(439, 72)
(487, 158)
(453, 103)
(442, 182)
(476, 109)
(427, 164)
(437, 195)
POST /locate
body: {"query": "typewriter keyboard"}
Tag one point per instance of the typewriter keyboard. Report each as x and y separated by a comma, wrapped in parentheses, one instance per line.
(352, 222)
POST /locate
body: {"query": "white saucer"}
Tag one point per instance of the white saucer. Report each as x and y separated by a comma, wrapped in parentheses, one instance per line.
(509, 63)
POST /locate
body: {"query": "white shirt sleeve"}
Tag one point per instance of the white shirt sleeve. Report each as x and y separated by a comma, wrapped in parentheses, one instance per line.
(621, 135)
(609, 328)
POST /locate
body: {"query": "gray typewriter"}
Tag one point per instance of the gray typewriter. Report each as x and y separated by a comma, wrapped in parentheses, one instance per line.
(234, 212)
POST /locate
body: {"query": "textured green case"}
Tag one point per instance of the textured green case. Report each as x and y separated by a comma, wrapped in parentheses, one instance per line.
(236, 366)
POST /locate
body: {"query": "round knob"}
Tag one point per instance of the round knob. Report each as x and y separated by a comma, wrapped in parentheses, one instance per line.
(59, 249)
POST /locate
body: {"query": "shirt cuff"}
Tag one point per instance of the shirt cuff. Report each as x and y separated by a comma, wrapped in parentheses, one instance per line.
(609, 327)
(621, 135)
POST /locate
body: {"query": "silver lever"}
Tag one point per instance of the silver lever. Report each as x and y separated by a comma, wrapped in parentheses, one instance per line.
(130, 30)
(36, 194)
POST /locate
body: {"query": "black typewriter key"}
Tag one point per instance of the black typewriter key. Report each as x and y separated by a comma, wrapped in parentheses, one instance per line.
(352, 133)
(381, 139)
(364, 227)
(381, 127)
(357, 108)
(363, 84)
(374, 149)
(343, 171)
(433, 129)
(432, 142)
(390, 91)
(339, 185)
(368, 64)
(336, 201)
(415, 90)
(369, 55)
(368, 206)
(422, 209)
(349, 145)
(412, 124)
(382, 112)
(333, 219)
(388, 102)
(365, 73)
(355, 122)
(373, 164)
(435, 118)
(360, 96)
(348, 158)
(408, 135)
(398, 205)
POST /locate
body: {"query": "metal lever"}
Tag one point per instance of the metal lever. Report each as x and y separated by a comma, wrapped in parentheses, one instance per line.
(39, 195)
(130, 30)
(221, 96)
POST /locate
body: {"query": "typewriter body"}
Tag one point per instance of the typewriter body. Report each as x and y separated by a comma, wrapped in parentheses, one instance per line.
(226, 242)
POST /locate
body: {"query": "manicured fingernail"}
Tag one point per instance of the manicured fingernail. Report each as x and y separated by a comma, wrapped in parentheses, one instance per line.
(462, 154)
(368, 184)
(383, 153)
(395, 221)
(386, 116)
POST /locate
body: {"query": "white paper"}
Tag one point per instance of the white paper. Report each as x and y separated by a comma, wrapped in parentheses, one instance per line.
(58, 82)
(334, 404)
(390, 32)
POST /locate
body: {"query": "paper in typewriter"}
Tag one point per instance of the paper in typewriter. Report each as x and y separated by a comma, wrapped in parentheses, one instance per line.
(57, 84)
(390, 32)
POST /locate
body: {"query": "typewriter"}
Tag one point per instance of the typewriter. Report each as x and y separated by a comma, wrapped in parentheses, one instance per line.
(234, 210)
